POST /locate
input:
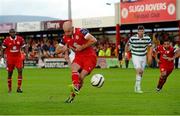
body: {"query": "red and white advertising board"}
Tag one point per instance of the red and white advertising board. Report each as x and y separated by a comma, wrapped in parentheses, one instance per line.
(53, 25)
(142, 11)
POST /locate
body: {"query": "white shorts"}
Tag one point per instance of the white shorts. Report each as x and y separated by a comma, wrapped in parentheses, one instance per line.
(71, 56)
(139, 61)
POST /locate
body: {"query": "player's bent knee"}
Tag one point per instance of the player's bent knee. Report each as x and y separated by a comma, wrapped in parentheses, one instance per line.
(163, 74)
(139, 71)
(75, 67)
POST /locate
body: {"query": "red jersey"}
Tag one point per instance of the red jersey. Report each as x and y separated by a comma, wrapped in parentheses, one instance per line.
(79, 38)
(163, 54)
(13, 46)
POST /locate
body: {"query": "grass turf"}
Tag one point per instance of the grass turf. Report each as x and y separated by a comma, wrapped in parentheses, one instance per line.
(45, 90)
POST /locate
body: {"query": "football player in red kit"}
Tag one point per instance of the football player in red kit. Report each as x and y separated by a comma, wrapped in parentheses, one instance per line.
(166, 54)
(12, 46)
(80, 41)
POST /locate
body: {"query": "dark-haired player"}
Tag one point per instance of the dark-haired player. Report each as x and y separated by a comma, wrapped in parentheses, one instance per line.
(167, 54)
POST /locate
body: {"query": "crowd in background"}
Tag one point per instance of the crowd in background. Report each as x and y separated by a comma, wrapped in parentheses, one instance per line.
(45, 48)
(38, 47)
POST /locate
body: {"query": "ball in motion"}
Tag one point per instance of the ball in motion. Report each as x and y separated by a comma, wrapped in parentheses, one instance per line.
(97, 80)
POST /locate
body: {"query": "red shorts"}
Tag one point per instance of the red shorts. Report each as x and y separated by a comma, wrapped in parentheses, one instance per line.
(167, 70)
(13, 62)
(87, 63)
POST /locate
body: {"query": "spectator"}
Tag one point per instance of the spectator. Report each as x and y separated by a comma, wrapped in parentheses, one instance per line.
(108, 50)
(101, 51)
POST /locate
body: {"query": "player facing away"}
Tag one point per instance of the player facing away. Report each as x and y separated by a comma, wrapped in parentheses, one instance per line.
(80, 41)
(138, 44)
(166, 54)
(12, 46)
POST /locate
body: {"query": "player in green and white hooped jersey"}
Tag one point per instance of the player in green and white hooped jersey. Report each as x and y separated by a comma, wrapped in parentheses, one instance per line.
(138, 45)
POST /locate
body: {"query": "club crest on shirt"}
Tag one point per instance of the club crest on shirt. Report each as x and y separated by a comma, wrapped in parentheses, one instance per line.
(18, 42)
(76, 37)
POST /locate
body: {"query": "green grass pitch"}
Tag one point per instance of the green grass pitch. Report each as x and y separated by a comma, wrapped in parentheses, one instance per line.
(45, 90)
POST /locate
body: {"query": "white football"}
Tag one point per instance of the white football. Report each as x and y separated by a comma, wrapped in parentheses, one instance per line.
(97, 80)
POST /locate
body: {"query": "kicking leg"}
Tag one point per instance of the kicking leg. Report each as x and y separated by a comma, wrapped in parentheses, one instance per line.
(75, 87)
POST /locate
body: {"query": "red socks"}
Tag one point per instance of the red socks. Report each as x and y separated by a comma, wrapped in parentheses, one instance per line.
(75, 79)
(10, 83)
(19, 82)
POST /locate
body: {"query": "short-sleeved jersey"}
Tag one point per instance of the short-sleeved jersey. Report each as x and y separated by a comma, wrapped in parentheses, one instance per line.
(163, 54)
(138, 45)
(79, 38)
(13, 46)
